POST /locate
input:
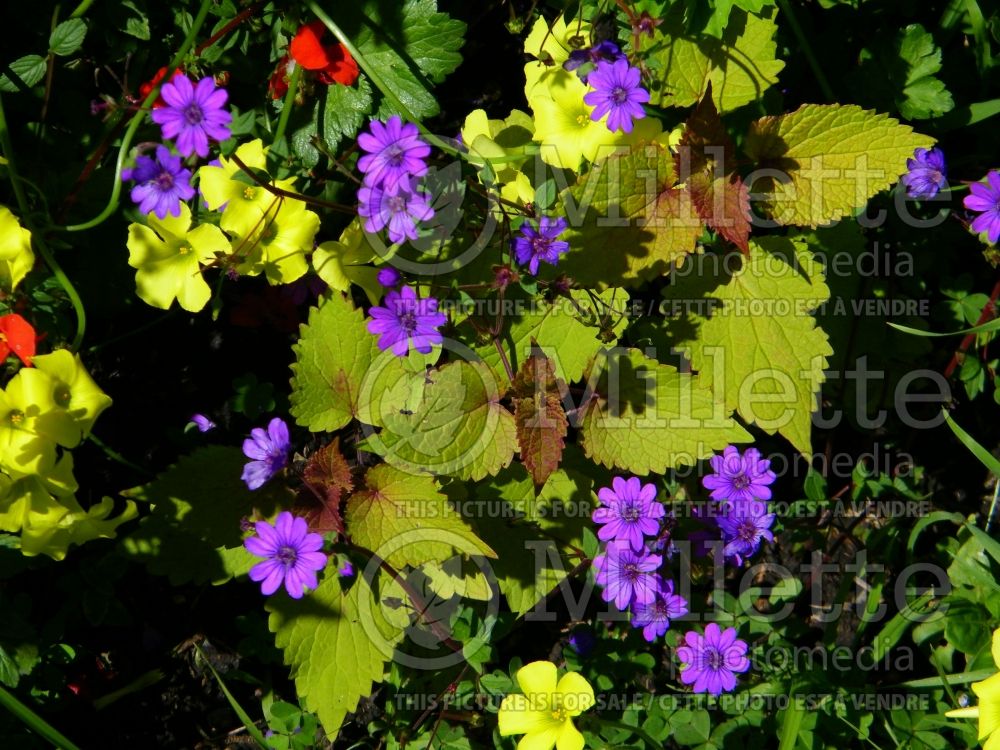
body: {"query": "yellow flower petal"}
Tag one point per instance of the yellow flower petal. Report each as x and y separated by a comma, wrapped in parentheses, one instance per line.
(343, 262)
(537, 681)
(569, 737)
(544, 740)
(554, 43)
(16, 256)
(74, 388)
(996, 647)
(575, 694)
(988, 692)
(279, 244)
(517, 715)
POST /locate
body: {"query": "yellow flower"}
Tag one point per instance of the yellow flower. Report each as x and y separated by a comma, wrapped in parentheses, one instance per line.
(32, 424)
(168, 259)
(243, 202)
(988, 710)
(343, 262)
(16, 257)
(551, 47)
(277, 241)
(74, 389)
(544, 710)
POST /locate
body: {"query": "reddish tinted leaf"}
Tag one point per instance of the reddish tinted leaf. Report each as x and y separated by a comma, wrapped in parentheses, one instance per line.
(706, 161)
(329, 476)
(539, 416)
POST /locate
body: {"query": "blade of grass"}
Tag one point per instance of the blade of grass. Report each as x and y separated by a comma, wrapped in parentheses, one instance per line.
(249, 723)
(34, 722)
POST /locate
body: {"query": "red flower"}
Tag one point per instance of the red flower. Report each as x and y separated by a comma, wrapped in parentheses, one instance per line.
(17, 337)
(332, 62)
(278, 85)
(145, 88)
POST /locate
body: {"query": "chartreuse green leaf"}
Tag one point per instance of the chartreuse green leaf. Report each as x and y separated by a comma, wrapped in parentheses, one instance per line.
(629, 222)
(648, 417)
(406, 520)
(569, 331)
(193, 532)
(336, 643)
(446, 422)
(760, 351)
(832, 159)
(332, 357)
(457, 576)
(739, 67)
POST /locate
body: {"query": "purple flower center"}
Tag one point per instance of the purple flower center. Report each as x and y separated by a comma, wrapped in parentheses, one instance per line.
(714, 658)
(397, 203)
(539, 245)
(631, 571)
(741, 481)
(619, 95)
(630, 512)
(193, 114)
(287, 556)
(747, 530)
(408, 321)
(395, 154)
(164, 181)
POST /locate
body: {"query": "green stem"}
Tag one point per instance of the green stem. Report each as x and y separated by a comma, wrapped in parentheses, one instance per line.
(286, 108)
(640, 733)
(35, 722)
(380, 84)
(116, 456)
(39, 241)
(137, 120)
(82, 8)
(807, 50)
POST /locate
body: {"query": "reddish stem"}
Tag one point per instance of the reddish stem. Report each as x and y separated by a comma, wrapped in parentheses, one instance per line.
(989, 310)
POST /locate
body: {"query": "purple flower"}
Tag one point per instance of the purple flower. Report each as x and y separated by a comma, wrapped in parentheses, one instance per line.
(654, 618)
(388, 277)
(203, 423)
(743, 524)
(927, 173)
(986, 200)
(395, 154)
(193, 114)
(346, 570)
(606, 50)
(406, 318)
(627, 577)
(540, 244)
(291, 555)
(161, 183)
(711, 662)
(739, 477)
(400, 212)
(629, 512)
(617, 93)
(269, 450)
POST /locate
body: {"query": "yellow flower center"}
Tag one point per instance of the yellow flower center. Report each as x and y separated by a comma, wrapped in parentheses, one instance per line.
(560, 715)
(16, 416)
(582, 120)
(249, 193)
(184, 250)
(62, 397)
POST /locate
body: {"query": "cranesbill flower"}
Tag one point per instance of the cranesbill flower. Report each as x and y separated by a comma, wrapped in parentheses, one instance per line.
(395, 153)
(618, 93)
(986, 200)
(627, 577)
(193, 114)
(628, 512)
(744, 523)
(161, 183)
(292, 555)
(739, 477)
(926, 173)
(406, 319)
(535, 245)
(544, 709)
(269, 451)
(388, 277)
(606, 50)
(399, 212)
(654, 618)
(711, 662)
(203, 423)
